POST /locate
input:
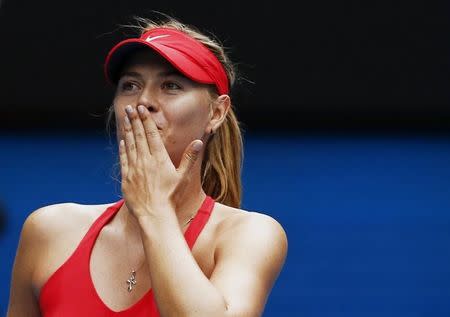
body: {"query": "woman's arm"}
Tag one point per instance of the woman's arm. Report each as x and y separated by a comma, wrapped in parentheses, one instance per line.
(179, 286)
(249, 257)
(22, 300)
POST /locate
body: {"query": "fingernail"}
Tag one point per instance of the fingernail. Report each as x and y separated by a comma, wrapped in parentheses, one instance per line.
(141, 109)
(129, 109)
(197, 146)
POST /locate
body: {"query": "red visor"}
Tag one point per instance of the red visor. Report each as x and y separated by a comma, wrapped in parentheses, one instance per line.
(186, 54)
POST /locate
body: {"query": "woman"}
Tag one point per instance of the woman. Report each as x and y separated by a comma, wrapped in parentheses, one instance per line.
(177, 244)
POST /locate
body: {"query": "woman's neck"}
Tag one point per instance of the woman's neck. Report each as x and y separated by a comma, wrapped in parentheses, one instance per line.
(188, 207)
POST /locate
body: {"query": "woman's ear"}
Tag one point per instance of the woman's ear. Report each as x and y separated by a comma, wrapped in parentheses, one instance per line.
(219, 110)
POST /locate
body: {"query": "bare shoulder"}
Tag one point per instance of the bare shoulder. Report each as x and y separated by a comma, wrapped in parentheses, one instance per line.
(250, 253)
(51, 233)
(253, 227)
(50, 221)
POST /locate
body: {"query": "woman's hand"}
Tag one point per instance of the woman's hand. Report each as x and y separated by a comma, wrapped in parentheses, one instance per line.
(150, 182)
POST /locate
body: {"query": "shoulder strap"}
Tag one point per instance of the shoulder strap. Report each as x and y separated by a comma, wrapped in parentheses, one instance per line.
(100, 222)
(199, 221)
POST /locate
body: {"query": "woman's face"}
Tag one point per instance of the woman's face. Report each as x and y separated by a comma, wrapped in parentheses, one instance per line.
(180, 107)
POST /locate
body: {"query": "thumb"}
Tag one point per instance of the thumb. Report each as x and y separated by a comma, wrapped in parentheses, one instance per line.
(190, 156)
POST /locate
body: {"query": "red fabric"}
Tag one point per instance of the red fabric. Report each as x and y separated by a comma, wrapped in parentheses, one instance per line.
(186, 54)
(70, 292)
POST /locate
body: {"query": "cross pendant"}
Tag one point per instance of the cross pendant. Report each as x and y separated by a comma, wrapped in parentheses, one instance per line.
(131, 281)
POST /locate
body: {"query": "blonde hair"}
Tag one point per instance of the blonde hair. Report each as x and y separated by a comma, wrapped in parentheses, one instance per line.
(222, 163)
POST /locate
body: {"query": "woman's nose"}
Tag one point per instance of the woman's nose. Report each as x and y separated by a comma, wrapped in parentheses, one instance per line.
(148, 100)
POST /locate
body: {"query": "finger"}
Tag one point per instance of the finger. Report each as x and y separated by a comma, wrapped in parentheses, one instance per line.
(123, 159)
(138, 132)
(130, 146)
(190, 156)
(154, 141)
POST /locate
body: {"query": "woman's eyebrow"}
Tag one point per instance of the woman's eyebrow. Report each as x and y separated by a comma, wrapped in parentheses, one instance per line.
(171, 72)
(162, 74)
(131, 74)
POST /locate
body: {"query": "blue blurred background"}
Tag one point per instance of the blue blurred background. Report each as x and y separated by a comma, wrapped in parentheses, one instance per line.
(367, 218)
(345, 109)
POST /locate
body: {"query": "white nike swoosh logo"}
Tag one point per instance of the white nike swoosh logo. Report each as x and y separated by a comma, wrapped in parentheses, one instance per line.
(149, 39)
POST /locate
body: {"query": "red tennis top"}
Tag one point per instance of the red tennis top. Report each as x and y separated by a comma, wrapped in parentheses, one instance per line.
(70, 292)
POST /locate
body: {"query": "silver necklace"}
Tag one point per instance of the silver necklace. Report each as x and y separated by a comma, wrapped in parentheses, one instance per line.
(131, 281)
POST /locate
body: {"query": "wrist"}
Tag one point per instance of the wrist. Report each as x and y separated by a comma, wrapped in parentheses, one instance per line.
(165, 216)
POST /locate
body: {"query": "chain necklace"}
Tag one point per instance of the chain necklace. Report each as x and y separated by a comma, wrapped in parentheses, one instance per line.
(131, 281)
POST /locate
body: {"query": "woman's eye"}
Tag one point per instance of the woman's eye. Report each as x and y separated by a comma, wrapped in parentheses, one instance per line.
(171, 86)
(128, 86)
